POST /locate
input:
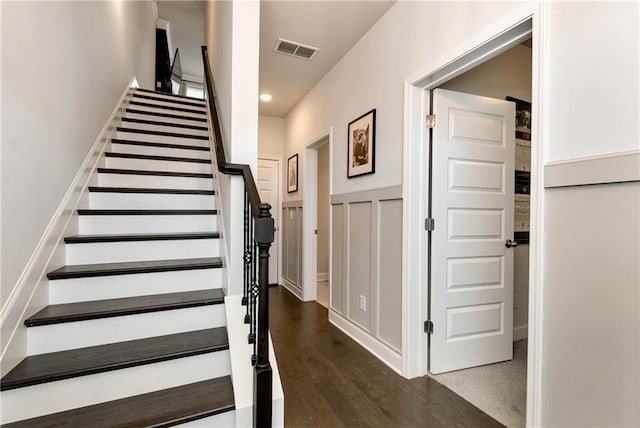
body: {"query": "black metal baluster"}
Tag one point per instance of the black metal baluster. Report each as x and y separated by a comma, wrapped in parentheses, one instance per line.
(246, 256)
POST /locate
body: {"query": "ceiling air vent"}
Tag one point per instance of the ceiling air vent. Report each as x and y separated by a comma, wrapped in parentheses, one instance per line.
(299, 50)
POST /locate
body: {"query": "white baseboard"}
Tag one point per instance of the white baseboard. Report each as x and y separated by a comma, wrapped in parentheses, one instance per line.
(520, 332)
(323, 276)
(384, 353)
(30, 293)
(292, 288)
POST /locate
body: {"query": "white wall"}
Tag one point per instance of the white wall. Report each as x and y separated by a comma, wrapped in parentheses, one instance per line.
(64, 67)
(232, 38)
(590, 61)
(187, 32)
(591, 364)
(270, 135)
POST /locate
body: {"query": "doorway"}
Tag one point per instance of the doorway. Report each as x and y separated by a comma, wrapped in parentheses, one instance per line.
(269, 190)
(478, 277)
(322, 226)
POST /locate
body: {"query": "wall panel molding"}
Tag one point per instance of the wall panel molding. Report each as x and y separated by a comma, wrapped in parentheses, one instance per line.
(610, 168)
(367, 261)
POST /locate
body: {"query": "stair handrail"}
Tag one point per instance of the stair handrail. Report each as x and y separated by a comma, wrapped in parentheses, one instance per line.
(258, 236)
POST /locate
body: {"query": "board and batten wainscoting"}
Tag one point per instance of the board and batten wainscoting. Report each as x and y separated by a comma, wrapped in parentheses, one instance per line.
(366, 262)
(292, 247)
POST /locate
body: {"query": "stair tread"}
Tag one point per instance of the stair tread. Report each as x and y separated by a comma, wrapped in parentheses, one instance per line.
(163, 145)
(126, 268)
(151, 91)
(106, 189)
(38, 369)
(83, 239)
(167, 100)
(161, 133)
(147, 172)
(185, 110)
(166, 407)
(158, 123)
(155, 157)
(95, 309)
(163, 114)
(94, 211)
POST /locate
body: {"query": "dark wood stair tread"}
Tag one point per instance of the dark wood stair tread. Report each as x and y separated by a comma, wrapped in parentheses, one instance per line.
(185, 110)
(95, 309)
(127, 268)
(86, 239)
(89, 211)
(157, 123)
(147, 172)
(167, 100)
(164, 114)
(162, 408)
(38, 369)
(155, 157)
(161, 133)
(151, 91)
(163, 145)
(106, 189)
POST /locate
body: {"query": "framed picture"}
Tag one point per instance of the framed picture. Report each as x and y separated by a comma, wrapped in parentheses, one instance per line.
(522, 170)
(292, 174)
(362, 145)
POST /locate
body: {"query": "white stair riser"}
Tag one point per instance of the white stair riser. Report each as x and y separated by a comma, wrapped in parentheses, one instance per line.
(167, 120)
(160, 102)
(80, 334)
(105, 200)
(163, 96)
(157, 165)
(124, 135)
(221, 420)
(166, 128)
(154, 181)
(159, 151)
(142, 284)
(38, 400)
(164, 110)
(116, 224)
(133, 251)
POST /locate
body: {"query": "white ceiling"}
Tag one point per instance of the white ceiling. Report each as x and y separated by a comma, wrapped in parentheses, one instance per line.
(332, 26)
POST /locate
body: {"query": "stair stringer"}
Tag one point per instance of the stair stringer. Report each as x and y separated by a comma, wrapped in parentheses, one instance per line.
(242, 371)
(31, 291)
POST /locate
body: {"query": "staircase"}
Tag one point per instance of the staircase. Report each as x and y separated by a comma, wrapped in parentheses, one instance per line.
(135, 331)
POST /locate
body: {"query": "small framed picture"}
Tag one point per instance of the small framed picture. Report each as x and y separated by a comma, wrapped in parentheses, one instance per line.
(292, 174)
(362, 145)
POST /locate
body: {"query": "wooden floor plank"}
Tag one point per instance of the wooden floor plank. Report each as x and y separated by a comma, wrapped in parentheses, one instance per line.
(331, 381)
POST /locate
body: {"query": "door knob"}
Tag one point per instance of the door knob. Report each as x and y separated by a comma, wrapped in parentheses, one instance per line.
(509, 243)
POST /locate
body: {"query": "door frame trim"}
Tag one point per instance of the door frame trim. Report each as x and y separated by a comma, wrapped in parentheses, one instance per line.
(279, 210)
(310, 213)
(487, 44)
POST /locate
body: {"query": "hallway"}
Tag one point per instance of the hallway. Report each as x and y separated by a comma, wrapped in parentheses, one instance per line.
(331, 381)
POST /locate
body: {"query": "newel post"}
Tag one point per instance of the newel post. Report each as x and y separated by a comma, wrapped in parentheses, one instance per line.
(262, 380)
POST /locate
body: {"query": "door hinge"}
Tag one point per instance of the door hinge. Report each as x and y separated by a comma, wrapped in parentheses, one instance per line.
(429, 224)
(428, 327)
(431, 121)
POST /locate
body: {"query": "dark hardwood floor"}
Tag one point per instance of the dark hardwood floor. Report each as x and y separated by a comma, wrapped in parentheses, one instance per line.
(331, 381)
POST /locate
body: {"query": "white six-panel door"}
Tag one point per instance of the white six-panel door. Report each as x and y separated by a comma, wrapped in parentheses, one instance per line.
(472, 204)
(268, 180)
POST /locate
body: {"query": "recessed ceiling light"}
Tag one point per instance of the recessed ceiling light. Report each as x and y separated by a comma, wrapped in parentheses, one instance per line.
(265, 97)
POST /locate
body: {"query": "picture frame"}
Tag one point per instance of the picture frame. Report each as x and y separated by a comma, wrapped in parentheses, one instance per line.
(522, 205)
(292, 174)
(361, 145)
